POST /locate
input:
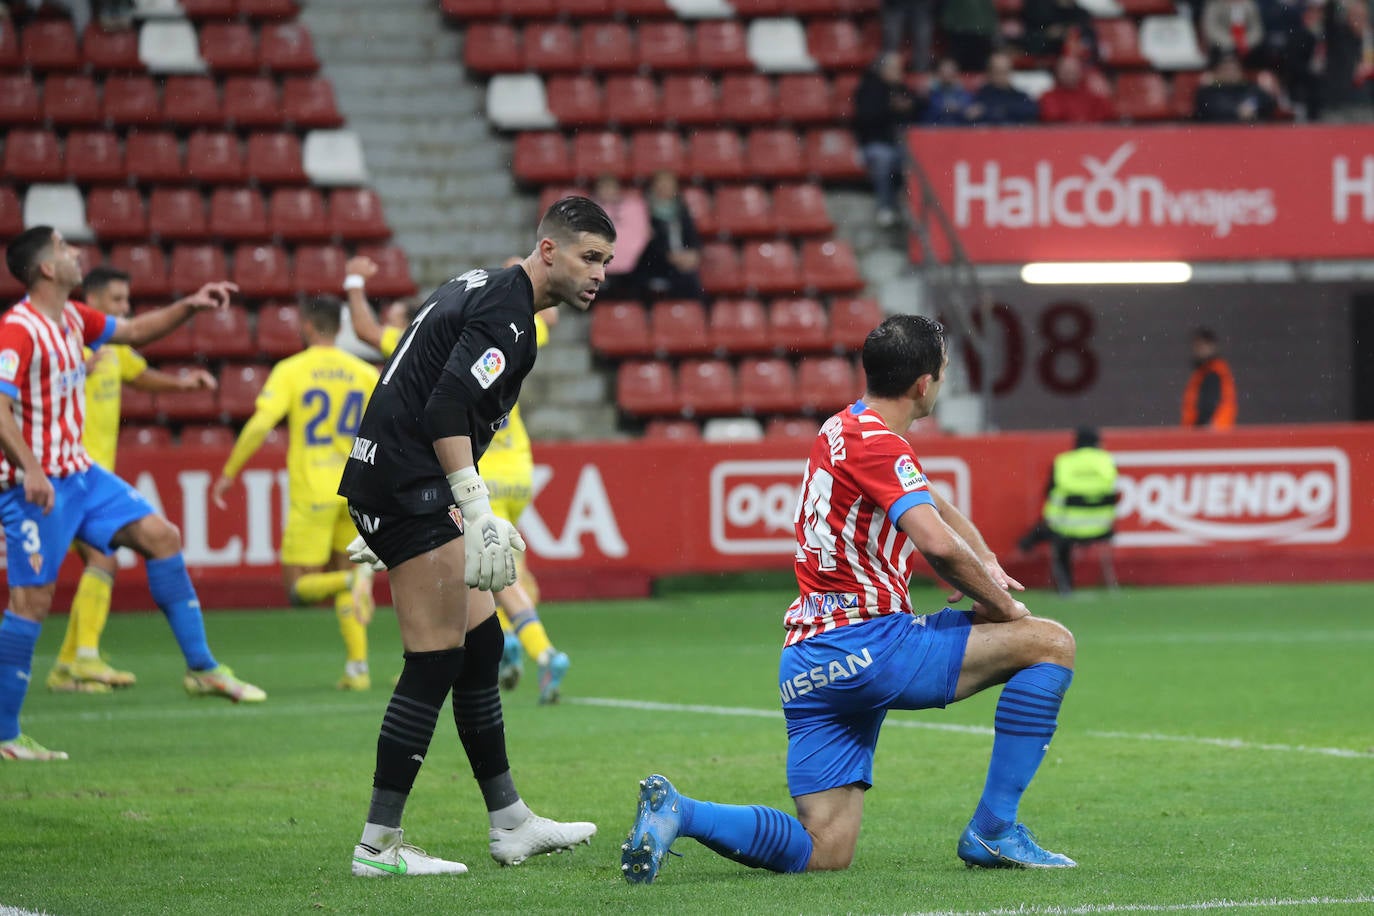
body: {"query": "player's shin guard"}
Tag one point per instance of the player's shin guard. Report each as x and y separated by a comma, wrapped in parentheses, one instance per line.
(313, 588)
(18, 636)
(90, 610)
(752, 835)
(173, 593)
(408, 727)
(1026, 718)
(353, 630)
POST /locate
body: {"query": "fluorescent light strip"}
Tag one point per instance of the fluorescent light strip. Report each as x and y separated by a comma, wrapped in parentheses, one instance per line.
(1102, 272)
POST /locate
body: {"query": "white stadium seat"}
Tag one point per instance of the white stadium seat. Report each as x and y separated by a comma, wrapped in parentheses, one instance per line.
(1033, 83)
(60, 206)
(334, 157)
(170, 46)
(779, 46)
(1170, 43)
(517, 101)
(732, 429)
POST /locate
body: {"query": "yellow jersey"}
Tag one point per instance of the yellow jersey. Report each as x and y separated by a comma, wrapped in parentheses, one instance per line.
(321, 392)
(118, 364)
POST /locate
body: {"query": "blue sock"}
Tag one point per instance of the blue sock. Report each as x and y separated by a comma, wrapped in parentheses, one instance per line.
(751, 835)
(1024, 724)
(521, 619)
(18, 636)
(172, 590)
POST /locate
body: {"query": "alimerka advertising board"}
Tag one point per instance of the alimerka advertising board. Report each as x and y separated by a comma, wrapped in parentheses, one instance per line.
(1153, 194)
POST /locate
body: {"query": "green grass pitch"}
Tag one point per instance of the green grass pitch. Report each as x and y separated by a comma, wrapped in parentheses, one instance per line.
(1217, 745)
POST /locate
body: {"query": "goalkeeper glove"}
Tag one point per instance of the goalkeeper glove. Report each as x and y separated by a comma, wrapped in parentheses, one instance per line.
(489, 543)
(360, 553)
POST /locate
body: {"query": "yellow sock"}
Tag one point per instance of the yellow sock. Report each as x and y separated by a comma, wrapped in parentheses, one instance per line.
(67, 654)
(312, 588)
(531, 632)
(505, 621)
(354, 633)
(90, 610)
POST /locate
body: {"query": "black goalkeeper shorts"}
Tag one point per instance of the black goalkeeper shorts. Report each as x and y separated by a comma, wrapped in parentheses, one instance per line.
(397, 538)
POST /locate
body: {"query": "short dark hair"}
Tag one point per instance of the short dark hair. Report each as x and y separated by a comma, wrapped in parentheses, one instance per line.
(25, 253)
(901, 350)
(323, 313)
(100, 277)
(1206, 334)
(571, 215)
(1086, 437)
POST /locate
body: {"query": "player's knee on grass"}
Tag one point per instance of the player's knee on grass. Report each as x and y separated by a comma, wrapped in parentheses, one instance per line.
(832, 818)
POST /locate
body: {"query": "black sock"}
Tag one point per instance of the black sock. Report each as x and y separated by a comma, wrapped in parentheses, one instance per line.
(477, 713)
(408, 727)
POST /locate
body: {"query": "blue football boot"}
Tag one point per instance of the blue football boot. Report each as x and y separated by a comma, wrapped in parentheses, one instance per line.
(656, 826)
(1016, 848)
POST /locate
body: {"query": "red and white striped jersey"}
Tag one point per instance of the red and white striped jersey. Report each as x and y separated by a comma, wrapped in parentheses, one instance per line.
(43, 372)
(853, 563)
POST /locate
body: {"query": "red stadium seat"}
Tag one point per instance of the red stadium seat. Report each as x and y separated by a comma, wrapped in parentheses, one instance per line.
(9, 49)
(49, 44)
(665, 45)
(672, 431)
(279, 330)
(585, 10)
(195, 265)
(799, 209)
(19, 103)
(215, 157)
(224, 334)
(145, 438)
(721, 45)
(690, 99)
(209, 9)
(646, 389)
(830, 266)
(238, 214)
(467, 11)
(492, 47)
(131, 100)
(356, 213)
(632, 101)
(269, 9)
(33, 155)
(527, 9)
(116, 213)
(1185, 94)
(179, 344)
(748, 98)
(261, 271)
(95, 156)
(1143, 97)
(721, 273)
(702, 208)
(115, 51)
(806, 98)
(768, 386)
(827, 384)
(657, 151)
(275, 158)
(842, 96)
(153, 156)
(608, 47)
(776, 153)
(771, 268)
(597, 153)
(744, 210)
(739, 326)
(798, 326)
(206, 435)
(755, 9)
(678, 328)
(252, 101)
(620, 329)
(550, 47)
(229, 47)
(1118, 44)
(138, 406)
(320, 269)
(11, 213)
(716, 155)
(642, 9)
(308, 101)
(393, 271)
(181, 406)
(240, 384)
(146, 266)
(707, 387)
(832, 154)
(192, 101)
(837, 44)
(10, 288)
(71, 101)
(791, 429)
(576, 101)
(298, 214)
(541, 157)
(287, 48)
(851, 320)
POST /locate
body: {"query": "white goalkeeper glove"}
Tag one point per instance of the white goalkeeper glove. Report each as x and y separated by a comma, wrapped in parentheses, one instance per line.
(360, 553)
(489, 543)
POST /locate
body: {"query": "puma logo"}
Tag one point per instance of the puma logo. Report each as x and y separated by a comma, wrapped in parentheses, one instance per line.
(517, 331)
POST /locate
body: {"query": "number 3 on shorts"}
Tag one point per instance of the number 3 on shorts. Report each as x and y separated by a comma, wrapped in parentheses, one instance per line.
(32, 543)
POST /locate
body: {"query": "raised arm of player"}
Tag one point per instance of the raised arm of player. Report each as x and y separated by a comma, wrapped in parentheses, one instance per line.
(150, 326)
(37, 488)
(966, 530)
(365, 323)
(955, 561)
(155, 380)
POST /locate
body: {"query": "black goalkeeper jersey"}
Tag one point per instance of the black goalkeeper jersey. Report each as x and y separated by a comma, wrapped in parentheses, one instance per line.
(479, 328)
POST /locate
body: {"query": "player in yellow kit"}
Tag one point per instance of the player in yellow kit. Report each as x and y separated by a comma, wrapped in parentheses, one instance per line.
(508, 468)
(321, 393)
(79, 668)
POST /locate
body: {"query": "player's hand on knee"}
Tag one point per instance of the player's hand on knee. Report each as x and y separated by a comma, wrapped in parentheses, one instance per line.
(360, 553)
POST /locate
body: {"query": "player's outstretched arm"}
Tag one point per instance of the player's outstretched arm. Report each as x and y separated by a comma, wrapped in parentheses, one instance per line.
(150, 326)
(37, 488)
(157, 381)
(251, 438)
(358, 271)
(954, 561)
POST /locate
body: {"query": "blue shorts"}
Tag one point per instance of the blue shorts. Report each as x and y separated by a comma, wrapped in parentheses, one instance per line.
(837, 688)
(91, 505)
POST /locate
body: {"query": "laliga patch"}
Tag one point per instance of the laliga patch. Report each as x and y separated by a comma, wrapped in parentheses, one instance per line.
(908, 475)
(9, 365)
(489, 367)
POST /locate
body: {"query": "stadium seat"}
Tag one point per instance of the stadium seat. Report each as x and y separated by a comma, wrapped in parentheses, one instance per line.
(806, 98)
(261, 271)
(744, 210)
(597, 153)
(195, 265)
(732, 429)
(229, 47)
(209, 9)
(721, 272)
(170, 46)
(585, 10)
(665, 46)
(702, 208)
(70, 101)
(850, 321)
(192, 101)
(60, 206)
(179, 344)
(550, 47)
(138, 406)
(205, 435)
(827, 384)
(252, 101)
(707, 387)
(776, 152)
(770, 268)
(756, 9)
(657, 151)
(95, 156)
(116, 213)
(19, 102)
(215, 157)
(1142, 97)
(199, 406)
(716, 155)
(131, 100)
(177, 215)
(334, 157)
(1142, 8)
(690, 99)
(748, 98)
(1184, 101)
(1171, 43)
(224, 334)
(269, 9)
(631, 100)
(393, 271)
(238, 214)
(620, 329)
(146, 438)
(320, 269)
(642, 9)
(279, 330)
(308, 101)
(492, 47)
(517, 101)
(837, 44)
(798, 326)
(791, 429)
(739, 326)
(541, 157)
(779, 46)
(468, 11)
(9, 49)
(831, 154)
(240, 384)
(275, 158)
(153, 156)
(286, 47)
(678, 328)
(49, 44)
(298, 214)
(672, 431)
(577, 101)
(10, 288)
(356, 214)
(527, 9)
(146, 266)
(799, 209)
(768, 386)
(721, 45)
(1118, 44)
(608, 47)
(842, 91)
(829, 265)
(646, 389)
(115, 51)
(33, 155)
(11, 213)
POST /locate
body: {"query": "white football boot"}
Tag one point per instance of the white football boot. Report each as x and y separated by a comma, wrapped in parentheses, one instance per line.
(536, 836)
(400, 860)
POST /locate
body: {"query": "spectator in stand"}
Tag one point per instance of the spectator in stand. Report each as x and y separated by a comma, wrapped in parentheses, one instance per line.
(1071, 101)
(883, 105)
(970, 29)
(1233, 27)
(1058, 28)
(1349, 52)
(1231, 98)
(1303, 31)
(1209, 400)
(669, 266)
(948, 98)
(997, 101)
(630, 215)
(919, 17)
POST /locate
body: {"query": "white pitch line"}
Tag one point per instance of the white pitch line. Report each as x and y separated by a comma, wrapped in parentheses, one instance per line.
(1089, 908)
(1229, 743)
